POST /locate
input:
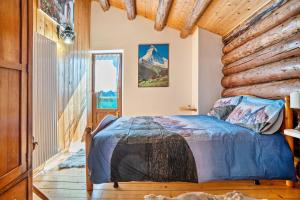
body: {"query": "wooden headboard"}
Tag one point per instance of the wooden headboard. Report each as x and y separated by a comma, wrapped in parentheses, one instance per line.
(288, 121)
(288, 124)
(288, 114)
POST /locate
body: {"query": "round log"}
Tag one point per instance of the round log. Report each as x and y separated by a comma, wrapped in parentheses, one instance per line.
(191, 20)
(277, 52)
(275, 35)
(260, 15)
(279, 16)
(162, 14)
(282, 70)
(273, 90)
(104, 4)
(130, 6)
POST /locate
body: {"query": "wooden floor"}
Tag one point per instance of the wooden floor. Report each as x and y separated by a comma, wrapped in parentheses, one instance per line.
(70, 184)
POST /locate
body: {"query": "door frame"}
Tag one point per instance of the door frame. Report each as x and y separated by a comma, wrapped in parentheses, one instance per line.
(120, 86)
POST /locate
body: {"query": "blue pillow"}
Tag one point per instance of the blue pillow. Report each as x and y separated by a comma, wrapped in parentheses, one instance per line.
(256, 114)
(223, 107)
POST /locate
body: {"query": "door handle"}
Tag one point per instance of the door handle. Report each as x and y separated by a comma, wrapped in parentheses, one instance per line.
(34, 143)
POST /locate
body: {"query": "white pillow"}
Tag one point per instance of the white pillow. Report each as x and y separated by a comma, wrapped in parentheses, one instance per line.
(257, 114)
(276, 126)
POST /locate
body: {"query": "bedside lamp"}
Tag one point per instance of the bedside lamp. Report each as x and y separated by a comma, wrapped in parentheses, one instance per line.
(295, 103)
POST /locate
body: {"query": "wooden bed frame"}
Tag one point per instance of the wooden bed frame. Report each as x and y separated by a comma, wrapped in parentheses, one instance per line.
(89, 135)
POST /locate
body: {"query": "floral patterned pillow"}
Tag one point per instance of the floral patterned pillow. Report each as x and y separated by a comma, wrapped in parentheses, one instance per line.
(256, 114)
(223, 107)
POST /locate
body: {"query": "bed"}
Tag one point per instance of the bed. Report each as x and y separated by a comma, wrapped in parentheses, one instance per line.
(193, 148)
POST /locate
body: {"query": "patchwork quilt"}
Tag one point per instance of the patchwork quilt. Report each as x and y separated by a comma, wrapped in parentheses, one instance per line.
(186, 148)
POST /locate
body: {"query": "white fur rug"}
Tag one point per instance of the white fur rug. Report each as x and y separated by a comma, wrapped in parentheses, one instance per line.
(201, 196)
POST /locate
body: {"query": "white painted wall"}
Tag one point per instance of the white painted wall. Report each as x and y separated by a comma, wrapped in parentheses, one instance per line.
(210, 70)
(195, 70)
(112, 30)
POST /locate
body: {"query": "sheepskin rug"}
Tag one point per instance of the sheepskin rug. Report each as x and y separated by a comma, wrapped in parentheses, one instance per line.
(201, 196)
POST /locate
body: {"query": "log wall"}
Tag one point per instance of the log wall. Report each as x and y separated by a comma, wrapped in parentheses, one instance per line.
(263, 58)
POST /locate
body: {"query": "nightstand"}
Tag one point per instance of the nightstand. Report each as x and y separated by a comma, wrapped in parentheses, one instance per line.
(292, 133)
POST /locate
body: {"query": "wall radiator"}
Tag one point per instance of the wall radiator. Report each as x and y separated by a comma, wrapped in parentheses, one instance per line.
(45, 112)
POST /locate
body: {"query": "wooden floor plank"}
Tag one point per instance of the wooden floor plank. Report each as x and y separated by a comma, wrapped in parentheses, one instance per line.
(61, 178)
(70, 184)
(60, 185)
(63, 193)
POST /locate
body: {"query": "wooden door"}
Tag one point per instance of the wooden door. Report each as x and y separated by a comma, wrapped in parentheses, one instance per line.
(15, 159)
(107, 94)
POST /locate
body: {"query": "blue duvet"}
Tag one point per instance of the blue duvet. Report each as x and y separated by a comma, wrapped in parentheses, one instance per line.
(186, 148)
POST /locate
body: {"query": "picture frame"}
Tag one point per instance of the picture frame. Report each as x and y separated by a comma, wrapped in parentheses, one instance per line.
(153, 65)
(60, 11)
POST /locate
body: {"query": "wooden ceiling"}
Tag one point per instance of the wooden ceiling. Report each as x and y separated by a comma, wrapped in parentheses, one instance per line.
(217, 16)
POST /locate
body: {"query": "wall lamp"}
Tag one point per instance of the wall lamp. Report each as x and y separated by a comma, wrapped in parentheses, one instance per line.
(66, 33)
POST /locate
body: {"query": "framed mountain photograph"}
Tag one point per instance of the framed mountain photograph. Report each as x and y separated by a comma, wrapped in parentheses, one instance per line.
(61, 11)
(153, 65)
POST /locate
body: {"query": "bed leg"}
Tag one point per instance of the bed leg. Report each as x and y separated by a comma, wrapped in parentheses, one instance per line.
(256, 182)
(290, 183)
(116, 184)
(88, 141)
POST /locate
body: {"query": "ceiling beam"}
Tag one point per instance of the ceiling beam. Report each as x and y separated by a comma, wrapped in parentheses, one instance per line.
(198, 9)
(162, 14)
(131, 9)
(104, 4)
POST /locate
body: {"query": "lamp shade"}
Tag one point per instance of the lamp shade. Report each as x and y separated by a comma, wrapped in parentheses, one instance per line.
(295, 100)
